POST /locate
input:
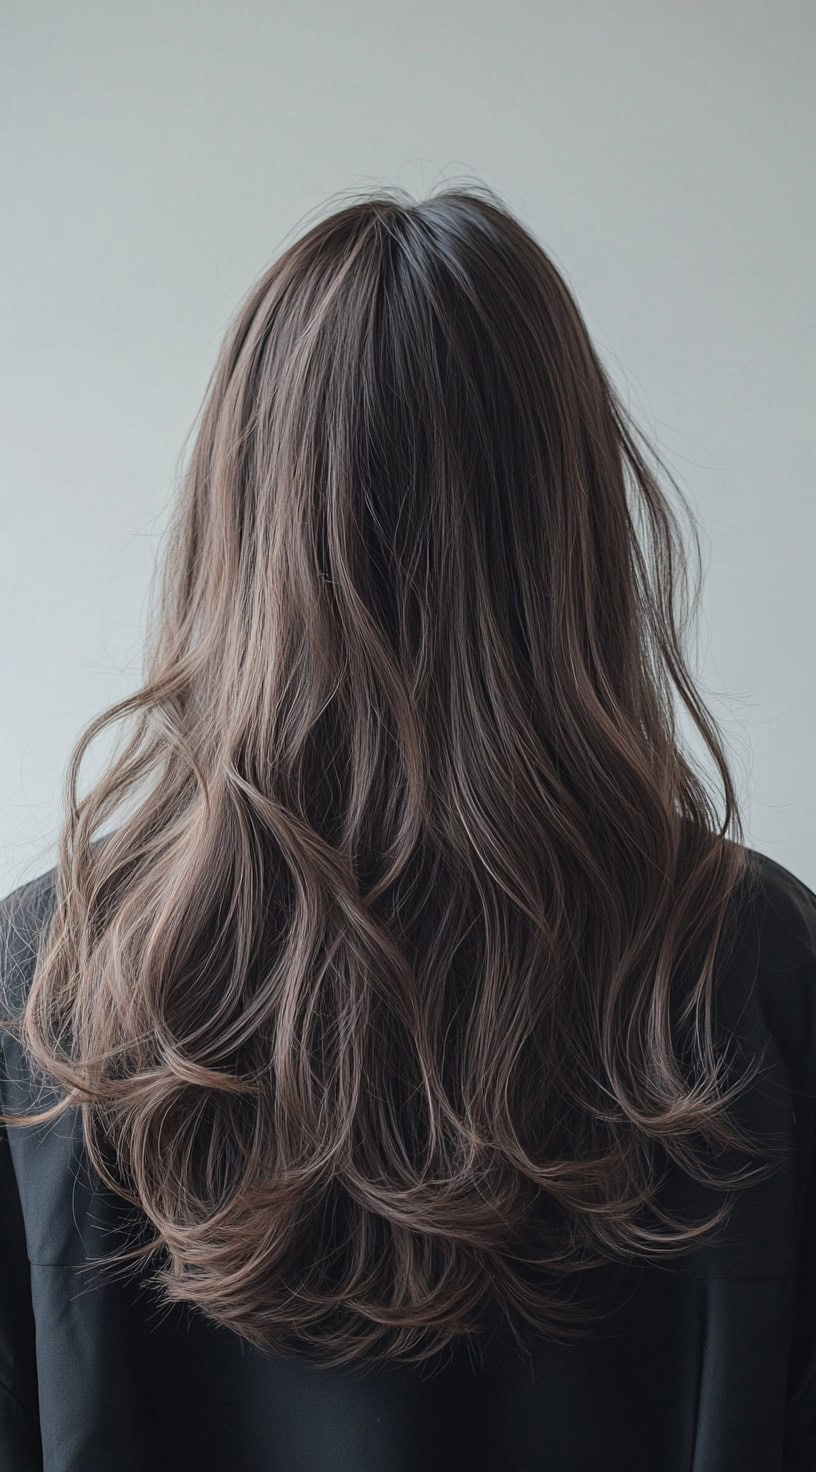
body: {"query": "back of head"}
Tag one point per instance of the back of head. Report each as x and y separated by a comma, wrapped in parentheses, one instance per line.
(392, 986)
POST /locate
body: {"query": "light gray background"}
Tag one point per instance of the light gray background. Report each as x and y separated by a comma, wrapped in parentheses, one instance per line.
(156, 157)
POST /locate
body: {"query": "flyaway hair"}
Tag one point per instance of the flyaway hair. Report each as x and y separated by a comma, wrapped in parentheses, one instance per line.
(390, 997)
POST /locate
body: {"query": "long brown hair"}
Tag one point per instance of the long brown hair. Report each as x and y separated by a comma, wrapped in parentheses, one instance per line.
(392, 993)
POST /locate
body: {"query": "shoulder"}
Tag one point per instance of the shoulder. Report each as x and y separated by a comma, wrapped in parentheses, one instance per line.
(29, 902)
(770, 988)
(775, 916)
(785, 905)
(24, 915)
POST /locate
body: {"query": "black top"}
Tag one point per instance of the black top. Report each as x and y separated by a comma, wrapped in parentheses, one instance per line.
(704, 1364)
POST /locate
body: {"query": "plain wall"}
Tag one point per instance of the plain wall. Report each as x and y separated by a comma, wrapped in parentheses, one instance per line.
(157, 157)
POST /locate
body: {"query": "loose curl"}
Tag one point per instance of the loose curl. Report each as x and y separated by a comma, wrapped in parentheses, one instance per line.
(392, 995)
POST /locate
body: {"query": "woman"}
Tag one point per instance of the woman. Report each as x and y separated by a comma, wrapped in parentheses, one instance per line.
(417, 1076)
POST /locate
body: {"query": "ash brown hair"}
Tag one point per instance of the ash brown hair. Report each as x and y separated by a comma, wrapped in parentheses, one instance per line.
(391, 996)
